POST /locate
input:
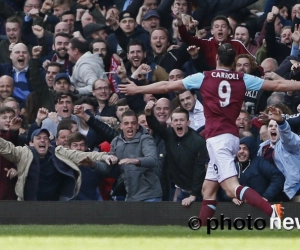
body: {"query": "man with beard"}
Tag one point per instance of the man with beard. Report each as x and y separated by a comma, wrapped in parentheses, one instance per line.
(246, 63)
(282, 149)
(60, 47)
(257, 173)
(277, 50)
(242, 34)
(141, 72)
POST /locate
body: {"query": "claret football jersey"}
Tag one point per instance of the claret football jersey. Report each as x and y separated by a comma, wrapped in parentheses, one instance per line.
(223, 93)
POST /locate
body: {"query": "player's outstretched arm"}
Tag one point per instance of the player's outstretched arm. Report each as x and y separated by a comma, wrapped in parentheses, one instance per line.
(281, 85)
(155, 88)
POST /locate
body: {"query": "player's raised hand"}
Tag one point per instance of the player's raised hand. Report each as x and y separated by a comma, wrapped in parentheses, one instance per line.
(148, 108)
(36, 51)
(128, 89)
(15, 123)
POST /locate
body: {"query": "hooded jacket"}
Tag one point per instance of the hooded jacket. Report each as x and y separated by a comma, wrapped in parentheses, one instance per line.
(260, 174)
(86, 71)
(141, 182)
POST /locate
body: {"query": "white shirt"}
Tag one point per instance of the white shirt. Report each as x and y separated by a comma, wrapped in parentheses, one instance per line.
(197, 116)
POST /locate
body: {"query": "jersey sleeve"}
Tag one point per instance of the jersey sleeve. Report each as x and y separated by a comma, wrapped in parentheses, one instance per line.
(253, 82)
(193, 81)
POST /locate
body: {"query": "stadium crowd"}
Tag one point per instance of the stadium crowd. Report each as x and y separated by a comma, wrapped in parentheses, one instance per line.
(68, 133)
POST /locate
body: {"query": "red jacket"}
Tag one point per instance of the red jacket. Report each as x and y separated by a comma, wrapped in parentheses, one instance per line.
(210, 47)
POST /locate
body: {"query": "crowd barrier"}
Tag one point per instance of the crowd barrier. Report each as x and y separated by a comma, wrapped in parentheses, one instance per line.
(134, 213)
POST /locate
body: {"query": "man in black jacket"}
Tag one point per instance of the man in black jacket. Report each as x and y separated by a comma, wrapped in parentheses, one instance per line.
(186, 153)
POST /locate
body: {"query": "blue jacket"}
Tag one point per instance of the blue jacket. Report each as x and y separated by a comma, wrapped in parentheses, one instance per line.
(21, 89)
(287, 158)
(260, 174)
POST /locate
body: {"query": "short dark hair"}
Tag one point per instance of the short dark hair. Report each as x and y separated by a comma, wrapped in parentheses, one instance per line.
(60, 129)
(80, 44)
(134, 42)
(61, 34)
(97, 40)
(59, 96)
(226, 54)
(129, 113)
(192, 91)
(76, 137)
(181, 111)
(5, 109)
(122, 102)
(67, 12)
(56, 64)
(87, 100)
(66, 124)
(220, 17)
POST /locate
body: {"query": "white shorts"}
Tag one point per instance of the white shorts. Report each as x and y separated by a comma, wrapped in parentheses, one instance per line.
(222, 150)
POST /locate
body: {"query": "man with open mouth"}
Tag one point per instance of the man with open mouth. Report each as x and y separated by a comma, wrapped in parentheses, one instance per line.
(282, 149)
(223, 93)
(220, 29)
(46, 173)
(186, 153)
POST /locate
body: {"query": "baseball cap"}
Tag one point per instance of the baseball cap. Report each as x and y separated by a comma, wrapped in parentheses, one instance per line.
(126, 14)
(38, 131)
(90, 28)
(62, 76)
(150, 13)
